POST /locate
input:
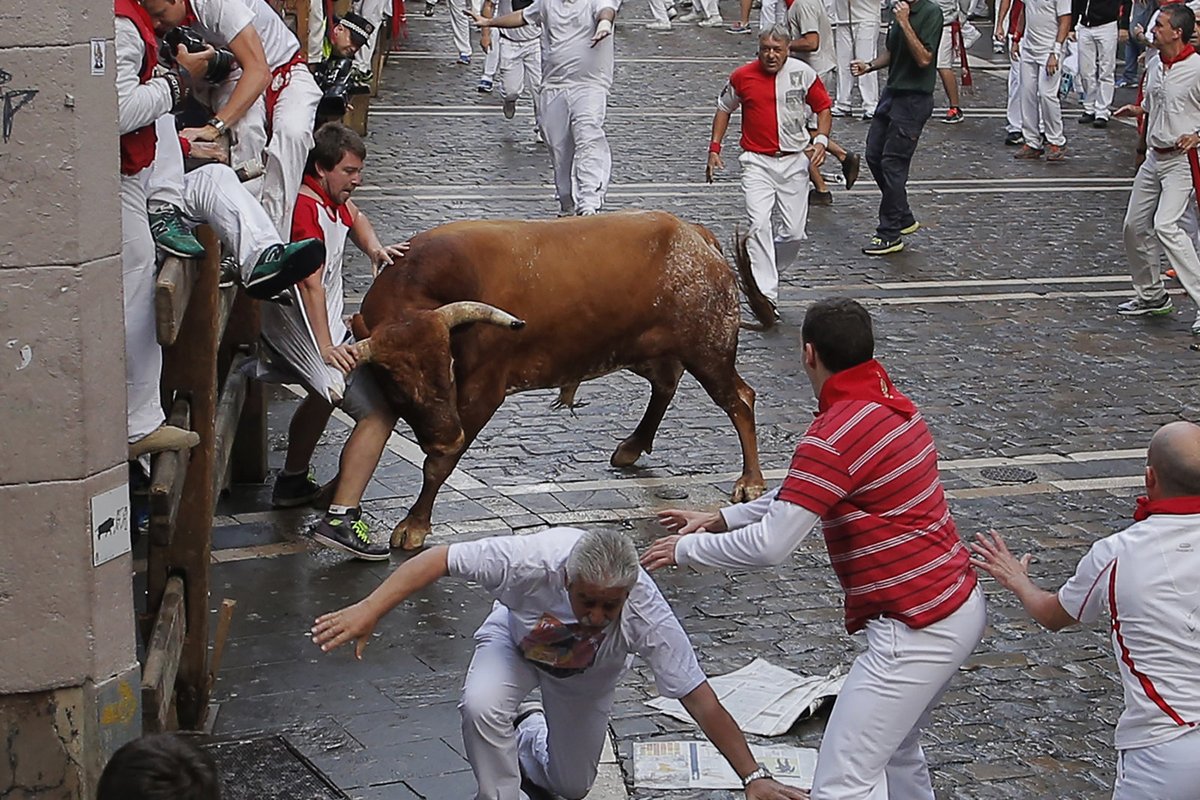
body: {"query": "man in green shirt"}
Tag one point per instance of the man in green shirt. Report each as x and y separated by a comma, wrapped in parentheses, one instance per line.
(904, 107)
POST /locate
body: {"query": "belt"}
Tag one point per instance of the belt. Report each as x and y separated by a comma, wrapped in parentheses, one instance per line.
(778, 153)
(1167, 151)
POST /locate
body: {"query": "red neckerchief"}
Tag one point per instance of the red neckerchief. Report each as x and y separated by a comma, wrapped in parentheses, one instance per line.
(866, 381)
(331, 208)
(1168, 505)
(1184, 53)
(189, 17)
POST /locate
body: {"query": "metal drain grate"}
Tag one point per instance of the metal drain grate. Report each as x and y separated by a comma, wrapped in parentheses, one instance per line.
(268, 767)
(1008, 474)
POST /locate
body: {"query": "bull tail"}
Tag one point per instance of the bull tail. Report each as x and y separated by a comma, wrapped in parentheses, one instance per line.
(760, 305)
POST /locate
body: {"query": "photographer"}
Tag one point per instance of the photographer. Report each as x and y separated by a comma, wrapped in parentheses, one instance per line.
(273, 90)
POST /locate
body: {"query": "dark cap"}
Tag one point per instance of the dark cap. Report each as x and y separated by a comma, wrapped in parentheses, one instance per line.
(360, 29)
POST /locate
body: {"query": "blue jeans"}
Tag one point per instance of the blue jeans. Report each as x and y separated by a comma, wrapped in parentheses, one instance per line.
(899, 119)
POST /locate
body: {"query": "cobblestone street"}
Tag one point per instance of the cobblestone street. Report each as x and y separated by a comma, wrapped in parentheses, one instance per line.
(998, 320)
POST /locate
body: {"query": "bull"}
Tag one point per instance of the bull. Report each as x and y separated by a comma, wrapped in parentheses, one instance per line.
(483, 309)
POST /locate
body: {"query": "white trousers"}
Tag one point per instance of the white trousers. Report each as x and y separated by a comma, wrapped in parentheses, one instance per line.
(874, 731)
(771, 12)
(373, 11)
(210, 194)
(658, 10)
(1166, 771)
(856, 41)
(1014, 98)
(284, 154)
(460, 27)
(521, 70)
(1097, 60)
(768, 183)
(491, 58)
(560, 751)
(573, 126)
(1161, 197)
(708, 8)
(1040, 107)
(143, 356)
(315, 46)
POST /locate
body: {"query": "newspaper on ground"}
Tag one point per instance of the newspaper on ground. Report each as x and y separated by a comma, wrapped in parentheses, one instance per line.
(762, 698)
(699, 765)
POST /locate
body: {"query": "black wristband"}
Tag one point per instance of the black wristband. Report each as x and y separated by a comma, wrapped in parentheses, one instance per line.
(178, 88)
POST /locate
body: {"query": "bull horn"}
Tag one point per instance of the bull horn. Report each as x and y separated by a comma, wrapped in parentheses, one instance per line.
(364, 350)
(455, 314)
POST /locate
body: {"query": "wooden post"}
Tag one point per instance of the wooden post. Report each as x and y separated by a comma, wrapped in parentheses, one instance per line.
(190, 367)
(249, 459)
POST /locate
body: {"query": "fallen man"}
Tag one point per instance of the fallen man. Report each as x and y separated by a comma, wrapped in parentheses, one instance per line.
(571, 610)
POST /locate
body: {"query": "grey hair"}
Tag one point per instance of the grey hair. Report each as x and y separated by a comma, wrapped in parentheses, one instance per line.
(779, 32)
(604, 558)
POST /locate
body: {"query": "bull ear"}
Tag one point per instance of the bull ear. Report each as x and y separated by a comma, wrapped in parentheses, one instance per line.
(358, 327)
(455, 314)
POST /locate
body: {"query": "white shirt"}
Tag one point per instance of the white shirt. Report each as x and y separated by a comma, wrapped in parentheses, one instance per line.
(526, 33)
(568, 57)
(1147, 578)
(857, 12)
(527, 574)
(220, 21)
(1171, 97)
(806, 16)
(1041, 27)
(138, 104)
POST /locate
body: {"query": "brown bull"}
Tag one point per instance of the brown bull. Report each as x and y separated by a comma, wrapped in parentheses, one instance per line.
(555, 303)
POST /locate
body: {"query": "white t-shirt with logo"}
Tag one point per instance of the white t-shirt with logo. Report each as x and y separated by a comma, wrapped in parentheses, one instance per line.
(527, 575)
(220, 21)
(806, 16)
(568, 57)
(1147, 579)
(1041, 27)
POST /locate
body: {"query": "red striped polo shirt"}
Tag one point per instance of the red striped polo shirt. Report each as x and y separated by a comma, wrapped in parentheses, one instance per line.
(868, 466)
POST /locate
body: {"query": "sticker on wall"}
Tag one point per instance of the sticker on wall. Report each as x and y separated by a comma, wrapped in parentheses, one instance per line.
(110, 524)
(98, 56)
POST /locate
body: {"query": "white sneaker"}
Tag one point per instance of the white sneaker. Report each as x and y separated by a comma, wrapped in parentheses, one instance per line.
(691, 16)
(658, 26)
(1196, 325)
(712, 22)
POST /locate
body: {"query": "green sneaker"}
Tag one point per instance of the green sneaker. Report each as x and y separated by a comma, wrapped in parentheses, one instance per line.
(171, 235)
(882, 247)
(909, 230)
(348, 532)
(284, 265)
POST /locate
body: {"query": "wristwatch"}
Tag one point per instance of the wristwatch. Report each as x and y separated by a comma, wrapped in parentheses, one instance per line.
(219, 124)
(761, 772)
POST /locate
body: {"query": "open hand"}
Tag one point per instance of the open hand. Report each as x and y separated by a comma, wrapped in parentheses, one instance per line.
(205, 134)
(676, 520)
(603, 31)
(661, 553)
(714, 163)
(1130, 110)
(386, 256)
(993, 557)
(478, 20)
(353, 623)
(769, 789)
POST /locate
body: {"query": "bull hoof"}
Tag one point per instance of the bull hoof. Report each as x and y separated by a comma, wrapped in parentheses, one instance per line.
(626, 454)
(409, 535)
(747, 489)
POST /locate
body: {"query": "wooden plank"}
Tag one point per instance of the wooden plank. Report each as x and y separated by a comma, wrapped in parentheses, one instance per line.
(163, 655)
(229, 413)
(166, 481)
(383, 41)
(190, 367)
(355, 117)
(172, 291)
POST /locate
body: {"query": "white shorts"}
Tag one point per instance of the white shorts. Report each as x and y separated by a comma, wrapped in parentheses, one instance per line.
(945, 53)
(1169, 770)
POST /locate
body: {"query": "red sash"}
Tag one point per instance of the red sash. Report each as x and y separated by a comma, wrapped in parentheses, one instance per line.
(137, 147)
(958, 46)
(399, 23)
(280, 78)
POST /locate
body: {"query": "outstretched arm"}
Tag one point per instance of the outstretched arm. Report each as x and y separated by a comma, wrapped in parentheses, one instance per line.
(723, 732)
(357, 622)
(765, 543)
(993, 557)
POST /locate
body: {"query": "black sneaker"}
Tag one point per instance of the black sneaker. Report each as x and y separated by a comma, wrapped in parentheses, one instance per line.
(348, 532)
(1087, 118)
(1014, 139)
(882, 247)
(816, 198)
(428, 9)
(1137, 307)
(295, 490)
(1100, 122)
(850, 169)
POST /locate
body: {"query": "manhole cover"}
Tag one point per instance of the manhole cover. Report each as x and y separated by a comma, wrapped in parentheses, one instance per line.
(671, 494)
(1008, 474)
(268, 767)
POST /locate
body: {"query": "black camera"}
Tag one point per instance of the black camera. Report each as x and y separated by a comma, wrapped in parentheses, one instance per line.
(338, 81)
(218, 68)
